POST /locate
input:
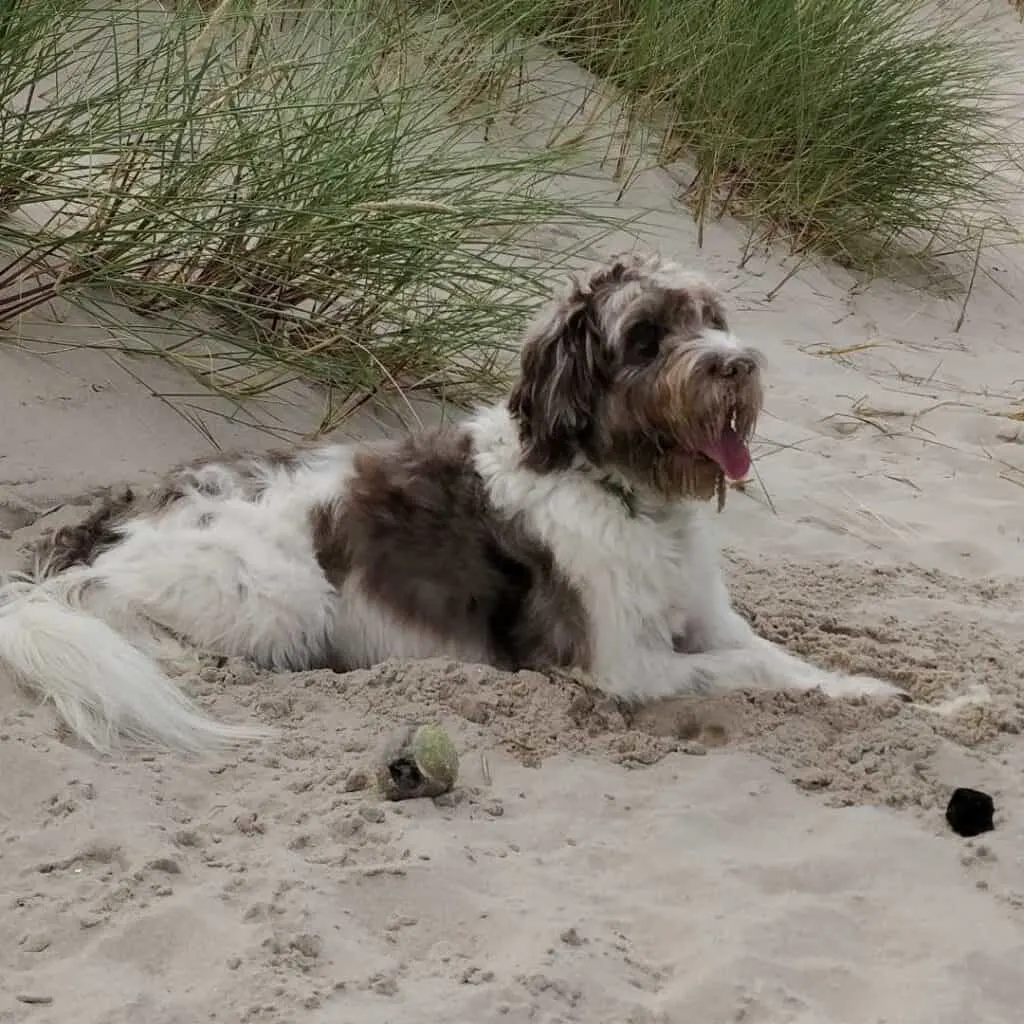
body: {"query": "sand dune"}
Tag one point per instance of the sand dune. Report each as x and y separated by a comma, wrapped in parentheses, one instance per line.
(758, 859)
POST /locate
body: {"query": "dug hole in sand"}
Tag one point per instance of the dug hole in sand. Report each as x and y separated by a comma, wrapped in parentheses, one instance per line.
(756, 858)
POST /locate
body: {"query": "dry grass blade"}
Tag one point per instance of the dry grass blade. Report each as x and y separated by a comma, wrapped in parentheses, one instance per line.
(845, 350)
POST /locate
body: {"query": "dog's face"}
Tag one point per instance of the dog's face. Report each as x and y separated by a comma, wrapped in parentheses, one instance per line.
(635, 370)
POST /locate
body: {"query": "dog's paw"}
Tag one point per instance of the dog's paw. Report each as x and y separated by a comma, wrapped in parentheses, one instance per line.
(864, 686)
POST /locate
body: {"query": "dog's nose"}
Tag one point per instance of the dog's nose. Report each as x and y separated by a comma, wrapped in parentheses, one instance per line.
(735, 366)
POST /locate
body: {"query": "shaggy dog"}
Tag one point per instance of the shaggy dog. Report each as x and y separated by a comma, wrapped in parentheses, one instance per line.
(563, 527)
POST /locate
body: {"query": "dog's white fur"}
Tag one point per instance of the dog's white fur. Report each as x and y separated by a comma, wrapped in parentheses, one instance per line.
(91, 639)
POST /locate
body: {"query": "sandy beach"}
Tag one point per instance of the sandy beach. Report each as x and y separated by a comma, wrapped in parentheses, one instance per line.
(766, 859)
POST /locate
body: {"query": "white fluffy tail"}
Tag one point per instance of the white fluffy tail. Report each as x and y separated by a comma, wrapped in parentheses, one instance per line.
(104, 688)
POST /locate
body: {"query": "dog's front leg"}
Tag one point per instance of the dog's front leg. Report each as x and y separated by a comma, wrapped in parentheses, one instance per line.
(717, 649)
(650, 674)
(643, 674)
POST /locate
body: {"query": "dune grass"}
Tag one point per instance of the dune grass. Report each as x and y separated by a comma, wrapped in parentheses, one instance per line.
(858, 127)
(266, 191)
(271, 194)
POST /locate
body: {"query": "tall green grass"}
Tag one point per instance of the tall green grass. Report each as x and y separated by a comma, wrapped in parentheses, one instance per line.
(281, 194)
(41, 46)
(854, 126)
(265, 190)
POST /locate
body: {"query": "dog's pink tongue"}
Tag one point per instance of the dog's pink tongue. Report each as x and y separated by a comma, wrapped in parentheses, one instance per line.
(730, 453)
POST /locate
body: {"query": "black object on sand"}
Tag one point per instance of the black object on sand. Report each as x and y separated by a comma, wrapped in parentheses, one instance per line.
(970, 812)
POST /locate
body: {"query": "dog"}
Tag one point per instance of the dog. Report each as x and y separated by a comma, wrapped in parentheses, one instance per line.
(565, 527)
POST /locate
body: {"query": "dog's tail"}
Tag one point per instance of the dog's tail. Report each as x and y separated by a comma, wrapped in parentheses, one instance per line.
(55, 641)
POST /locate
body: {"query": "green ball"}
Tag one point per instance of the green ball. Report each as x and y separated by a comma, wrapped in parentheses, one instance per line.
(419, 761)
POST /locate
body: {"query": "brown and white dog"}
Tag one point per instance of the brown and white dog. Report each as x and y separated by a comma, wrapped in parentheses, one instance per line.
(563, 527)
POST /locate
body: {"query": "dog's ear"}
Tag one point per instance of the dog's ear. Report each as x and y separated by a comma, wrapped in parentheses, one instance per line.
(565, 367)
(560, 373)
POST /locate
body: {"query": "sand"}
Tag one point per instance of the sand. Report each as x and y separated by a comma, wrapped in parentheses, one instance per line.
(756, 858)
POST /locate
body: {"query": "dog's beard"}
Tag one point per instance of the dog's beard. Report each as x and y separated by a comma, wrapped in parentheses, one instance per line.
(685, 437)
(684, 474)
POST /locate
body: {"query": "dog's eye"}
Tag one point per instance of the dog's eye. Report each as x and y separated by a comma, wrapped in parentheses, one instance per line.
(643, 340)
(717, 320)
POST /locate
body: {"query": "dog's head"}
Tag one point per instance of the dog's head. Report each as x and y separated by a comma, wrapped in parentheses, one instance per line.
(634, 370)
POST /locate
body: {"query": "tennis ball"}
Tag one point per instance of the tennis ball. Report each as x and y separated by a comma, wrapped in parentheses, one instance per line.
(418, 761)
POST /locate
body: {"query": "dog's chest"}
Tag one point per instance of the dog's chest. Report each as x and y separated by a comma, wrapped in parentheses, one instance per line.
(637, 562)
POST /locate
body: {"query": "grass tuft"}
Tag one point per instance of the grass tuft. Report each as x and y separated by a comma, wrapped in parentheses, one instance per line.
(276, 194)
(857, 127)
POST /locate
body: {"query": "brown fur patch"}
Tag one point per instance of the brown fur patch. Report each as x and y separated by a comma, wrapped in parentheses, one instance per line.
(417, 532)
(84, 542)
